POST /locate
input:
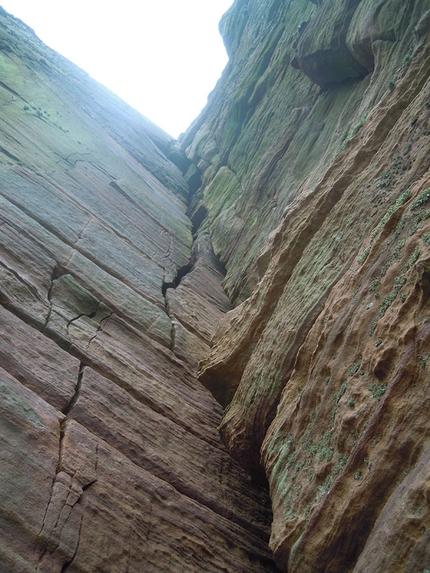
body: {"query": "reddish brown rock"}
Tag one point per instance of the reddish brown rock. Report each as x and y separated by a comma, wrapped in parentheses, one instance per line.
(194, 320)
(317, 203)
(323, 366)
(37, 362)
(111, 459)
(30, 430)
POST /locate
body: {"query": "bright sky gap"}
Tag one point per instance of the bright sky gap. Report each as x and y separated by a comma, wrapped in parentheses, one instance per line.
(163, 58)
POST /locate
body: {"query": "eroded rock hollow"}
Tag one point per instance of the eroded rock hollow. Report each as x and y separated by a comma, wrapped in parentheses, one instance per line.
(214, 352)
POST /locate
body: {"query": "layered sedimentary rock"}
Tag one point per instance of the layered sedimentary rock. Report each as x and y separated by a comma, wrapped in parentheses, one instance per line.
(307, 197)
(110, 459)
(314, 156)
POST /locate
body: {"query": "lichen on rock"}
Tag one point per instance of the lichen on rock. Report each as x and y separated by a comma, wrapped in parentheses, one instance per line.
(277, 256)
(322, 365)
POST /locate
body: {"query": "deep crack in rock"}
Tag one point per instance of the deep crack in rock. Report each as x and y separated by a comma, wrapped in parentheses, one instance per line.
(181, 273)
(75, 397)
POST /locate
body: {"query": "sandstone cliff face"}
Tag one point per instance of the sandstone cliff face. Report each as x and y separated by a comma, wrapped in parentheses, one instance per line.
(110, 458)
(314, 155)
(307, 179)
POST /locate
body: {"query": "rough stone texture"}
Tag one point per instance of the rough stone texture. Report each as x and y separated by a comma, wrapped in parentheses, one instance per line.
(308, 198)
(110, 460)
(318, 204)
(322, 52)
(197, 302)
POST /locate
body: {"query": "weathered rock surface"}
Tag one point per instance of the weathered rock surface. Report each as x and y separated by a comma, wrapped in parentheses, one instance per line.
(318, 204)
(307, 196)
(110, 460)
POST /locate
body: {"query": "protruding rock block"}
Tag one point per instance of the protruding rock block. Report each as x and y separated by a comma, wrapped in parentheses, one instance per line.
(322, 52)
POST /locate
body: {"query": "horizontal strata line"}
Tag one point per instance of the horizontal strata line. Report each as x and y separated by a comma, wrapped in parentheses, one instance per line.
(124, 194)
(154, 406)
(82, 208)
(86, 254)
(68, 346)
(107, 373)
(190, 329)
(164, 474)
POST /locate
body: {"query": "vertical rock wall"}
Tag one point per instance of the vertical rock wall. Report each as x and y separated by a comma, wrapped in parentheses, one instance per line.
(307, 179)
(314, 156)
(110, 457)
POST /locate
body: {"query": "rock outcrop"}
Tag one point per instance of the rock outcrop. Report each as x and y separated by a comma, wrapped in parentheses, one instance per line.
(314, 158)
(110, 459)
(276, 256)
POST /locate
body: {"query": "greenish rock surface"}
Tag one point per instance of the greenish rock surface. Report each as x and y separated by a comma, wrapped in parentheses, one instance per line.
(276, 259)
(313, 151)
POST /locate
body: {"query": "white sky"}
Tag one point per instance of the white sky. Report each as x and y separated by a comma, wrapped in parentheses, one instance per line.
(163, 57)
